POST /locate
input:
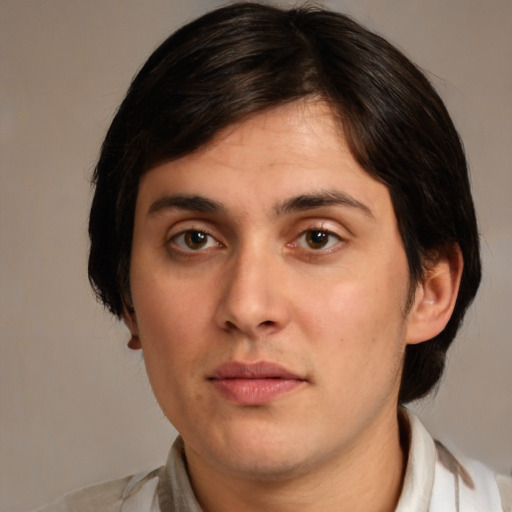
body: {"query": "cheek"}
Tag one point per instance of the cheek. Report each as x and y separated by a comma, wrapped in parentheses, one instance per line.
(166, 310)
(361, 306)
(366, 344)
(360, 320)
(171, 339)
(165, 338)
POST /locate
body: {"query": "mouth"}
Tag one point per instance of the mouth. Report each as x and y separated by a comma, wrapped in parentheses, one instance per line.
(255, 383)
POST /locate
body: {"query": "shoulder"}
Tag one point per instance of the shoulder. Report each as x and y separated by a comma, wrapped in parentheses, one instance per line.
(166, 487)
(505, 488)
(104, 497)
(477, 487)
(446, 481)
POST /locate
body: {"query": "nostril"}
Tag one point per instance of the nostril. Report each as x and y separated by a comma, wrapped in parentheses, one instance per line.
(231, 326)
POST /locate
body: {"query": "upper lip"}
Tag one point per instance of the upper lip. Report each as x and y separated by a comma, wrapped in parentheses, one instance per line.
(259, 370)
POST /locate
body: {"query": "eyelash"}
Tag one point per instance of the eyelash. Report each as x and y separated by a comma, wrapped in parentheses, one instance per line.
(333, 240)
(208, 238)
(180, 242)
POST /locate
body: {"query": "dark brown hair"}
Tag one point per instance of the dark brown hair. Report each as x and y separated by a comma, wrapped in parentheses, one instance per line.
(248, 57)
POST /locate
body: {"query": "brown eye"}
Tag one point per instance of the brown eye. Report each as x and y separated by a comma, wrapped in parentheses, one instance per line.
(194, 240)
(317, 239)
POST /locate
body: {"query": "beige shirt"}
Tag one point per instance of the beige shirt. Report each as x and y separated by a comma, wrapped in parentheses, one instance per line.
(435, 481)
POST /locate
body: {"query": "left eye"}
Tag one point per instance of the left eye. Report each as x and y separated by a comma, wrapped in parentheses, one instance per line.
(317, 239)
(194, 240)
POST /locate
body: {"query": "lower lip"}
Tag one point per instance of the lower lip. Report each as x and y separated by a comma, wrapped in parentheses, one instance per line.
(254, 391)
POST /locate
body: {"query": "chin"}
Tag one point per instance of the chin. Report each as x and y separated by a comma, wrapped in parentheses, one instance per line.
(263, 454)
(264, 466)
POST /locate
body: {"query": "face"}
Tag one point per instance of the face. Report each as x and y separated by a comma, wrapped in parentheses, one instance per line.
(269, 283)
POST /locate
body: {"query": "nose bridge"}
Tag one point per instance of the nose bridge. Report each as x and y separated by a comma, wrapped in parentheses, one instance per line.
(253, 298)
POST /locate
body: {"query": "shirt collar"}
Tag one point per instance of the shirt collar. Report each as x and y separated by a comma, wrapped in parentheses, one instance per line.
(176, 488)
(420, 468)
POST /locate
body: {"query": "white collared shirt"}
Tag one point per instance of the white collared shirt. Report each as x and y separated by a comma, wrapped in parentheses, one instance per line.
(435, 481)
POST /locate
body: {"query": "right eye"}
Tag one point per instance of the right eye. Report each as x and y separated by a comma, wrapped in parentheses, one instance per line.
(194, 240)
(318, 239)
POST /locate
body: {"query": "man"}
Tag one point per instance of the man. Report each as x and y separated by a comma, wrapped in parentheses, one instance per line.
(283, 219)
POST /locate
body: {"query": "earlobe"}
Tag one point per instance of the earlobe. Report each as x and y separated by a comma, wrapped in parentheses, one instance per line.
(134, 342)
(435, 296)
(130, 320)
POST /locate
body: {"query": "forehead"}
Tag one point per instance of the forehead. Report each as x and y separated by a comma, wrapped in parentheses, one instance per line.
(268, 159)
(294, 132)
(287, 160)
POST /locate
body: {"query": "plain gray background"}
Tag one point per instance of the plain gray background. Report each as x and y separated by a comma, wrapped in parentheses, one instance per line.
(76, 407)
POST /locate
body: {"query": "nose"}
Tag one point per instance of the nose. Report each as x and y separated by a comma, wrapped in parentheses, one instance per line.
(254, 298)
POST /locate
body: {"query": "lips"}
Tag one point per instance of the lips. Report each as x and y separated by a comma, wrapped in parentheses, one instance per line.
(254, 384)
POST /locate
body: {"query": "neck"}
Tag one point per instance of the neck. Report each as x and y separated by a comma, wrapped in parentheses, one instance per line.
(366, 477)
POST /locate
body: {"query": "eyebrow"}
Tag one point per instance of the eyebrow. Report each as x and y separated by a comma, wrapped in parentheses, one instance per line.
(303, 202)
(191, 203)
(322, 199)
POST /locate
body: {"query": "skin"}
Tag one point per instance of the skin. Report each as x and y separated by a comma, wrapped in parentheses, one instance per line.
(318, 288)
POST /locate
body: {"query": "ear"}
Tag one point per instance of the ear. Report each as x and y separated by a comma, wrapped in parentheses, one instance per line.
(435, 296)
(130, 320)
